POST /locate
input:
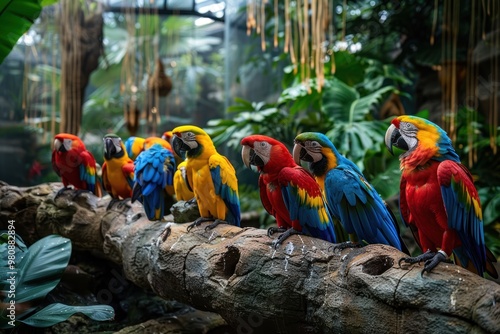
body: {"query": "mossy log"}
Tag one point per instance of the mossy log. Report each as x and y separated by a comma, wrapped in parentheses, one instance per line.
(302, 287)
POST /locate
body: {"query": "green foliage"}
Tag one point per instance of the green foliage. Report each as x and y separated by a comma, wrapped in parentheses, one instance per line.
(16, 17)
(346, 114)
(38, 270)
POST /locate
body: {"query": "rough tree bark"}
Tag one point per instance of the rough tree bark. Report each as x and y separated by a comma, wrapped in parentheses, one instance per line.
(302, 287)
(81, 31)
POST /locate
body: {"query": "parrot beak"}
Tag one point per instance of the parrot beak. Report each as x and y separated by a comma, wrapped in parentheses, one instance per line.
(178, 146)
(58, 145)
(250, 157)
(393, 138)
(300, 153)
(389, 134)
(245, 155)
(109, 148)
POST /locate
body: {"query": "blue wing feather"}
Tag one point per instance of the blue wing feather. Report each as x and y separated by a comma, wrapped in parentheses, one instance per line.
(458, 196)
(359, 207)
(228, 195)
(87, 177)
(152, 169)
(309, 209)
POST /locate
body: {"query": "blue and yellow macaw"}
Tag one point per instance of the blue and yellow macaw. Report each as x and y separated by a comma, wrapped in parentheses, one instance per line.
(210, 175)
(287, 191)
(351, 199)
(438, 199)
(118, 168)
(154, 170)
(150, 141)
(134, 146)
(183, 191)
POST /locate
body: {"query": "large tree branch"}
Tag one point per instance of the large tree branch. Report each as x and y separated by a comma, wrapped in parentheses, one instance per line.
(301, 287)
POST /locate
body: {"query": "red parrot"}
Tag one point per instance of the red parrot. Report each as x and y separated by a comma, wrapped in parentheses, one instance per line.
(287, 191)
(438, 199)
(74, 164)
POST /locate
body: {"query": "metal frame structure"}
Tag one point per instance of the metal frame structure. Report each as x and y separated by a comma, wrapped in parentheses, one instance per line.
(169, 7)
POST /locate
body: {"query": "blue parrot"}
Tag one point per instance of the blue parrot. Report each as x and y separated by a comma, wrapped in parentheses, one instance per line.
(360, 209)
(153, 185)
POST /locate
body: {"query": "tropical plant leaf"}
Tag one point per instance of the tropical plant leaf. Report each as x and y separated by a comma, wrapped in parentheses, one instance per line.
(345, 104)
(16, 16)
(19, 252)
(55, 313)
(41, 268)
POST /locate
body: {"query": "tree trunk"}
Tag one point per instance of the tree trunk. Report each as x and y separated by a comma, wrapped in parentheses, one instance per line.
(302, 287)
(81, 45)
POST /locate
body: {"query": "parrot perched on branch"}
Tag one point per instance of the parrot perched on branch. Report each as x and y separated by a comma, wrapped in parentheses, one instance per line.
(154, 170)
(351, 199)
(118, 168)
(438, 199)
(210, 175)
(74, 164)
(287, 191)
(134, 146)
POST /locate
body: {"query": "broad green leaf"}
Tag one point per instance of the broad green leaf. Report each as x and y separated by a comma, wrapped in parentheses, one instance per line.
(338, 99)
(55, 313)
(41, 268)
(387, 181)
(16, 17)
(491, 210)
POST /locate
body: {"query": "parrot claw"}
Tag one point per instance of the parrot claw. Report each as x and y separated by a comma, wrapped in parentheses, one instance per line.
(197, 222)
(61, 191)
(215, 223)
(417, 259)
(78, 192)
(345, 245)
(433, 262)
(272, 230)
(192, 201)
(111, 203)
(278, 241)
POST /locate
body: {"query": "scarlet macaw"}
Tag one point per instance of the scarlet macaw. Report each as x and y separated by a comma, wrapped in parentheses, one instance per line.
(287, 191)
(118, 168)
(134, 146)
(74, 164)
(438, 199)
(183, 191)
(210, 175)
(154, 170)
(351, 199)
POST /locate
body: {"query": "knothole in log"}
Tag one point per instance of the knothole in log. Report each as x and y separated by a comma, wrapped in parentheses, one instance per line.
(378, 265)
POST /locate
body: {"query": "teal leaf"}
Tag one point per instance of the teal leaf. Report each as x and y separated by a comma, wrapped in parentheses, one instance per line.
(41, 268)
(55, 313)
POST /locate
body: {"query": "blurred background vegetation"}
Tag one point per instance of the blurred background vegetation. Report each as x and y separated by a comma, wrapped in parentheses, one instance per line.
(372, 60)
